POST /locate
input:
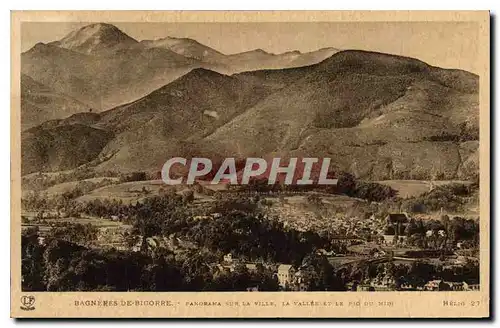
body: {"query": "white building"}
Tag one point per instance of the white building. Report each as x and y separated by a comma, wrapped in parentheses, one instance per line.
(285, 274)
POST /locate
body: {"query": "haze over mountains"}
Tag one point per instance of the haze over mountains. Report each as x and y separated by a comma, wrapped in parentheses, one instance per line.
(102, 67)
(376, 115)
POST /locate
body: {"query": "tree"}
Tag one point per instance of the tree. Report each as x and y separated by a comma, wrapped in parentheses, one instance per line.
(346, 183)
(314, 199)
(187, 196)
(32, 264)
(411, 228)
(197, 187)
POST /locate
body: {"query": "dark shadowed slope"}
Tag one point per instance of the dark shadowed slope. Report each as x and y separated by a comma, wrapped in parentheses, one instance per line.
(60, 147)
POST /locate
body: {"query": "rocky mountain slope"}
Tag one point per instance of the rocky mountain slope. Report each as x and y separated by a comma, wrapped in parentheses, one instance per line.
(379, 116)
(96, 38)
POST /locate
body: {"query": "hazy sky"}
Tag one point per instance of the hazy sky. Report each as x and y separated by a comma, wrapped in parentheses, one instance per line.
(444, 44)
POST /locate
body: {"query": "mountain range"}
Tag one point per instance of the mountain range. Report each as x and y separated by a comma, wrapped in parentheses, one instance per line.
(103, 67)
(379, 116)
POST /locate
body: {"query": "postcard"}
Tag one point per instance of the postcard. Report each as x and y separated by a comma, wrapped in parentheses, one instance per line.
(274, 164)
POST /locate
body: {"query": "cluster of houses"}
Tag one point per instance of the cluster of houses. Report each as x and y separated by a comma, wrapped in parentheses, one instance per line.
(171, 242)
(389, 284)
(367, 227)
(387, 231)
(288, 277)
(441, 285)
(302, 219)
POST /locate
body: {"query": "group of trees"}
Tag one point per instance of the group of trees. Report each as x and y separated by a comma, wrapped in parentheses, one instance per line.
(255, 237)
(347, 184)
(84, 187)
(226, 202)
(318, 274)
(242, 278)
(453, 230)
(41, 181)
(36, 201)
(81, 234)
(450, 197)
(61, 265)
(238, 228)
(418, 273)
(135, 176)
(371, 191)
(261, 185)
(104, 208)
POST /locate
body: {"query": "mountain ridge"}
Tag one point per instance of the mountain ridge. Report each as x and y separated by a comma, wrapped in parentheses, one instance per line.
(380, 116)
(95, 63)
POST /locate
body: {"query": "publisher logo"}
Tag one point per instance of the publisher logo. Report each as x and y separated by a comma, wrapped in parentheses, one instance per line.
(28, 302)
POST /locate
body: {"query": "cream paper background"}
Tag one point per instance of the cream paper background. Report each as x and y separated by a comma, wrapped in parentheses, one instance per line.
(266, 304)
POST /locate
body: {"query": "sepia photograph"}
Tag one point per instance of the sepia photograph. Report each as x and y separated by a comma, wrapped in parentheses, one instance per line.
(337, 157)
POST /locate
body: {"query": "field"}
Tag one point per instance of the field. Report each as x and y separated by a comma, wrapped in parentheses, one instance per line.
(69, 186)
(127, 192)
(412, 188)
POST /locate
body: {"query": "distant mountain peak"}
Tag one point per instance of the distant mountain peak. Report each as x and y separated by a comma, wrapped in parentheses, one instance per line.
(294, 52)
(200, 74)
(95, 37)
(186, 47)
(169, 41)
(100, 27)
(329, 48)
(178, 38)
(260, 50)
(204, 72)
